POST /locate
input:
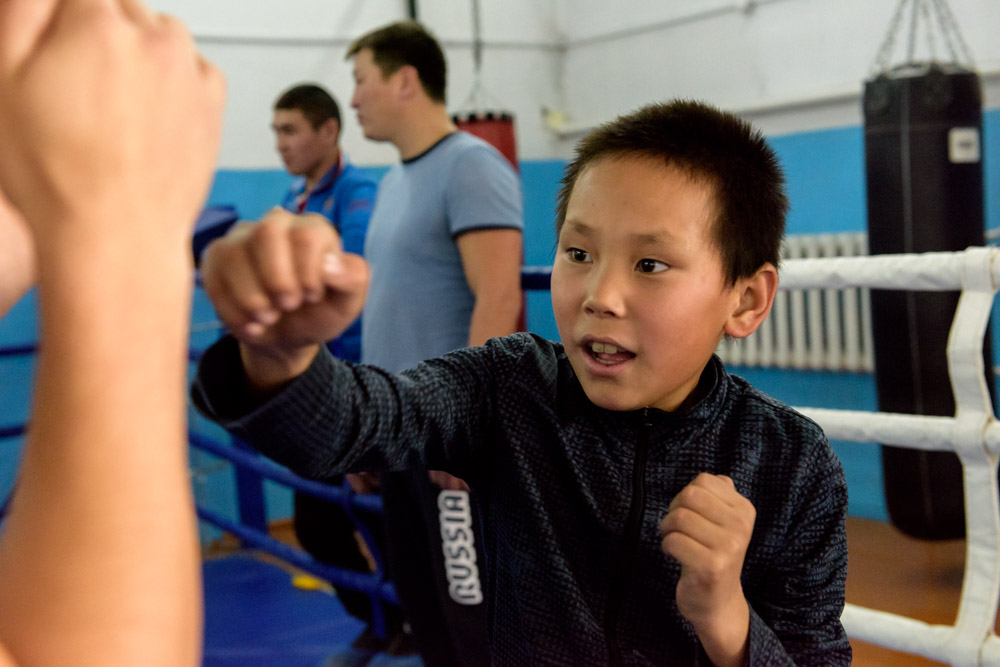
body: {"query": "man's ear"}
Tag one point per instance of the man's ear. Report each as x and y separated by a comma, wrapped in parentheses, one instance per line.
(756, 297)
(331, 128)
(409, 81)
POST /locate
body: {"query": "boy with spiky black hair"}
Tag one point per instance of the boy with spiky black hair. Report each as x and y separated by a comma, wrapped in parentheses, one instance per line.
(642, 505)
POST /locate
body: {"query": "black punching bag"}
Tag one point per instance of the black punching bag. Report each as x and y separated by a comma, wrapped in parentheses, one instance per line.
(923, 129)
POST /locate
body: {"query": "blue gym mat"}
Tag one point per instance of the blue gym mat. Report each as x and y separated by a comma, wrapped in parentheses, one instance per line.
(255, 617)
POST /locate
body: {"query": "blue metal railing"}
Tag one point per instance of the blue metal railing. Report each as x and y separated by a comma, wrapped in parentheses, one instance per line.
(251, 470)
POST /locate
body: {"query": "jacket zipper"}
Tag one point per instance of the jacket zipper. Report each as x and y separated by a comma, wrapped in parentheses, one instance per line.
(630, 542)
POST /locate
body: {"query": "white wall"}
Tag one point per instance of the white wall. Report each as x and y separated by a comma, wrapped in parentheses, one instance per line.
(265, 46)
(789, 65)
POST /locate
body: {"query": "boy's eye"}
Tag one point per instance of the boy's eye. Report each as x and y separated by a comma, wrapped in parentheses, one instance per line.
(577, 255)
(651, 266)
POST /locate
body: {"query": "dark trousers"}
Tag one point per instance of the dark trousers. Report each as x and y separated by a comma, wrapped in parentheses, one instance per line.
(438, 591)
(326, 532)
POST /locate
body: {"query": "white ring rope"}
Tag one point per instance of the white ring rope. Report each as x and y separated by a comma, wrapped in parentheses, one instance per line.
(973, 433)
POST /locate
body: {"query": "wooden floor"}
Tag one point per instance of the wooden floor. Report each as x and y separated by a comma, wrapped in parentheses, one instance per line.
(889, 571)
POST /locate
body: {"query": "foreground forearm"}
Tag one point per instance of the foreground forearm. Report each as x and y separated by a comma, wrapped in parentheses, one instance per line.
(17, 259)
(105, 487)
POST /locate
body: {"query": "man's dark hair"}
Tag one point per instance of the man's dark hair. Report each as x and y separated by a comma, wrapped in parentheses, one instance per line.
(714, 146)
(315, 103)
(407, 43)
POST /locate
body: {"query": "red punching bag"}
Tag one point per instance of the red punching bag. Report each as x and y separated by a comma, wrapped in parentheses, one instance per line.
(497, 129)
(494, 127)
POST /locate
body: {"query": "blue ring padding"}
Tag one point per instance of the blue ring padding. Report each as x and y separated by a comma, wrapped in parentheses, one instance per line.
(365, 583)
(12, 431)
(532, 277)
(18, 350)
(536, 277)
(366, 502)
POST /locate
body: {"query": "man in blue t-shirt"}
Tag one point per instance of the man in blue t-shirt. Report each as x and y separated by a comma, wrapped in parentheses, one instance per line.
(307, 128)
(445, 256)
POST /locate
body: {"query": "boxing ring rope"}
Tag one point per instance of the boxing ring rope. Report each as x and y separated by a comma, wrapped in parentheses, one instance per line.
(973, 433)
(252, 529)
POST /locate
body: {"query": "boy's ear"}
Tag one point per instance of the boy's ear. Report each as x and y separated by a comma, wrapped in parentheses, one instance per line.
(756, 297)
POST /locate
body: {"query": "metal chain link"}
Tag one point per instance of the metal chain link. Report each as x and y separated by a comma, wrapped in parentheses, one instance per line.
(930, 31)
(885, 50)
(942, 19)
(948, 25)
(947, 19)
(912, 46)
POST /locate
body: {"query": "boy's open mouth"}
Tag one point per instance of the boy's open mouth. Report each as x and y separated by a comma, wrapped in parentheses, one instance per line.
(608, 354)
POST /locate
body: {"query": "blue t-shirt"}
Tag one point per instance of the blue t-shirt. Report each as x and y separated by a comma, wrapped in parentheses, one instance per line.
(345, 196)
(419, 303)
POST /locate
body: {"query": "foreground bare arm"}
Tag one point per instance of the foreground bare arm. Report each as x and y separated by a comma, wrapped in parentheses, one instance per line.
(17, 256)
(99, 558)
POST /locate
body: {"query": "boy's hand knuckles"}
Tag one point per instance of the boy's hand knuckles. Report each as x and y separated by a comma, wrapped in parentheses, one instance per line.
(280, 287)
(270, 230)
(672, 542)
(704, 479)
(355, 267)
(727, 480)
(274, 214)
(213, 265)
(229, 312)
(211, 281)
(245, 307)
(310, 282)
(680, 518)
(686, 495)
(309, 238)
(311, 220)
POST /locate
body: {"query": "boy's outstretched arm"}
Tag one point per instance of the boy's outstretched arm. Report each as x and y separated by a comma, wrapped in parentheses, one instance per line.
(283, 287)
(110, 124)
(707, 528)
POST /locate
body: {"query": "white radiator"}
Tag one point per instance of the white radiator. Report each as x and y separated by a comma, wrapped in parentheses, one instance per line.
(819, 329)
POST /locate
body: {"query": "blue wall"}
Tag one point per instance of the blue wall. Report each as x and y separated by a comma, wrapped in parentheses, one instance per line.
(825, 171)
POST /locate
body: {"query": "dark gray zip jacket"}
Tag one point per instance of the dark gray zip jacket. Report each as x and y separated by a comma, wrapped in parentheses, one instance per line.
(573, 494)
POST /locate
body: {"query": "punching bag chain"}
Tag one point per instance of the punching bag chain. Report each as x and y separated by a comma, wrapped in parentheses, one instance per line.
(947, 20)
(477, 56)
(479, 96)
(945, 23)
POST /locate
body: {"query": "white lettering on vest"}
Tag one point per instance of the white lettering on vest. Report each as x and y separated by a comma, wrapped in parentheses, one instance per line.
(458, 545)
